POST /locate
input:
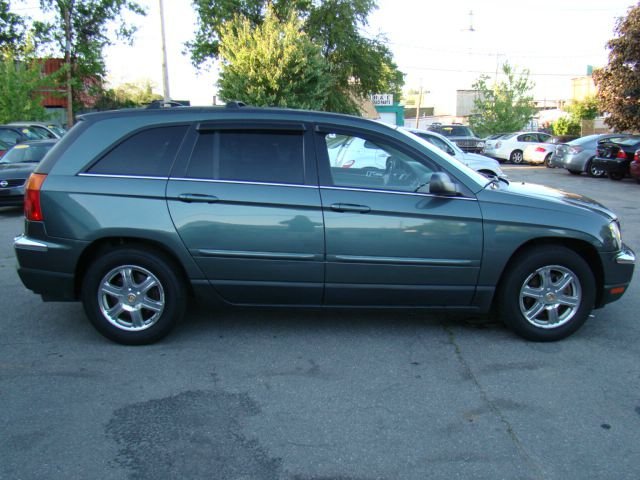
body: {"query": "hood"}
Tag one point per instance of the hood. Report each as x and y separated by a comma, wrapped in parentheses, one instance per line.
(13, 170)
(533, 190)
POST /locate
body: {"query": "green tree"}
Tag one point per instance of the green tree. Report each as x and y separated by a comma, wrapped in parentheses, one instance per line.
(88, 32)
(12, 29)
(568, 125)
(359, 65)
(272, 64)
(22, 89)
(587, 109)
(619, 82)
(128, 95)
(506, 106)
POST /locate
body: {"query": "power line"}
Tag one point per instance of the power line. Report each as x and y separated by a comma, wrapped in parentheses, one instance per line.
(487, 72)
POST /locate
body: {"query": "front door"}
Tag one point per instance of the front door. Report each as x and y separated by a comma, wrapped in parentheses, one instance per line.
(247, 206)
(385, 243)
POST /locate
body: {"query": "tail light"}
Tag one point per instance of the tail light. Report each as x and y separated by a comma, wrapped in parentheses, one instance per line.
(32, 206)
(498, 144)
(621, 154)
(635, 156)
(348, 163)
(540, 149)
(574, 150)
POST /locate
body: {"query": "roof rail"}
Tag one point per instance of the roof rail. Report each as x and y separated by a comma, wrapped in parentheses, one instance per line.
(235, 104)
(162, 104)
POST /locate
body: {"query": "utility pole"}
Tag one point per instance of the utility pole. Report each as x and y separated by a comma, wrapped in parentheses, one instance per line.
(165, 70)
(418, 107)
(67, 59)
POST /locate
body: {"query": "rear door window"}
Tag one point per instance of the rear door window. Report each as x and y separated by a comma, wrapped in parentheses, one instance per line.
(261, 156)
(147, 153)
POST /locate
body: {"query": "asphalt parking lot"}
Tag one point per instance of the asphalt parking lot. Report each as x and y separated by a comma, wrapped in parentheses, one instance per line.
(254, 394)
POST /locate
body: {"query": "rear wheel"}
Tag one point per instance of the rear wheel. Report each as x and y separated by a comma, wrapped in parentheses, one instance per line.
(546, 293)
(516, 157)
(133, 296)
(575, 172)
(594, 171)
(547, 161)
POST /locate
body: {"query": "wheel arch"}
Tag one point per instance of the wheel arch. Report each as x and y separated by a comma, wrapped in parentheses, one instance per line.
(109, 243)
(581, 247)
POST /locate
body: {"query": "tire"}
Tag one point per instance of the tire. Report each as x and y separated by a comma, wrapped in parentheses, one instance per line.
(594, 171)
(531, 286)
(575, 172)
(516, 157)
(133, 296)
(615, 176)
(547, 161)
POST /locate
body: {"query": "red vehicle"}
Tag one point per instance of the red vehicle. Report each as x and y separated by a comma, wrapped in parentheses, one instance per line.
(634, 167)
(4, 147)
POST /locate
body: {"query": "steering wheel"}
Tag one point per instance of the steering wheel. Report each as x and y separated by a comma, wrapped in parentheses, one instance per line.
(399, 174)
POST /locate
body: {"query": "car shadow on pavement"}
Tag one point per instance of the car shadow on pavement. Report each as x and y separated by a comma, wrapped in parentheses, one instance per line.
(10, 212)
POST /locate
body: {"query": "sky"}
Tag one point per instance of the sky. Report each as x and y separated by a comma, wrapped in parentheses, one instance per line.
(432, 43)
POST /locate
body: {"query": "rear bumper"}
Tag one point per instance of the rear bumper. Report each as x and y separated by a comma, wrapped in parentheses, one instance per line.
(48, 267)
(618, 271)
(612, 165)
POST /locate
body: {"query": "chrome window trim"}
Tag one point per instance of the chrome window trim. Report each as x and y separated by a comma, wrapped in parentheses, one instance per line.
(243, 182)
(395, 192)
(113, 175)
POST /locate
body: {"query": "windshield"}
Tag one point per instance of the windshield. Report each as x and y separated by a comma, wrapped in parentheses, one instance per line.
(455, 131)
(24, 153)
(57, 130)
(481, 180)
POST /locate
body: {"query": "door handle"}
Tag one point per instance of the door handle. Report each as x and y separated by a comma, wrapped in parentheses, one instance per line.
(197, 198)
(350, 207)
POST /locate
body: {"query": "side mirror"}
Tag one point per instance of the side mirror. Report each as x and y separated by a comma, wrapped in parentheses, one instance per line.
(441, 184)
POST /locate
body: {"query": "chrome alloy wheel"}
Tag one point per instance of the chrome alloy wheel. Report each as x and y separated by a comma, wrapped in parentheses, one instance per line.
(550, 296)
(131, 298)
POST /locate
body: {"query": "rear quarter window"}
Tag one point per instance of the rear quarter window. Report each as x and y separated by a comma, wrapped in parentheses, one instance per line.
(146, 153)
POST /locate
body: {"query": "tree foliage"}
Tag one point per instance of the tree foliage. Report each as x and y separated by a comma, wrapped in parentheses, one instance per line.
(568, 125)
(586, 109)
(272, 64)
(619, 82)
(22, 90)
(128, 95)
(506, 106)
(12, 30)
(358, 65)
(91, 30)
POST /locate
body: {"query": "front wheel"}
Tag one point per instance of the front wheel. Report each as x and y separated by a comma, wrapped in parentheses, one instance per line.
(516, 157)
(546, 293)
(547, 161)
(133, 296)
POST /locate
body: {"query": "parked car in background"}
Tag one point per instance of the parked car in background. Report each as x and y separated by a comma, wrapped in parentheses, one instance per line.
(480, 163)
(11, 134)
(541, 152)
(461, 135)
(511, 147)
(577, 155)
(634, 167)
(44, 129)
(614, 155)
(136, 212)
(16, 166)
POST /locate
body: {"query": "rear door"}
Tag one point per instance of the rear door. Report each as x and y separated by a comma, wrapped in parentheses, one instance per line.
(247, 206)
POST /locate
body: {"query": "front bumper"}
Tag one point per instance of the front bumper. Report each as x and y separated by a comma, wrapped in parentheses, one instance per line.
(618, 270)
(12, 196)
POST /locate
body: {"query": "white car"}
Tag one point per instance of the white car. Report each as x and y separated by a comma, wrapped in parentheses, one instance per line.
(542, 152)
(480, 163)
(511, 147)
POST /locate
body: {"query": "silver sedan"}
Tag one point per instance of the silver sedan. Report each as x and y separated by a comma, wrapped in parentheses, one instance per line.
(577, 155)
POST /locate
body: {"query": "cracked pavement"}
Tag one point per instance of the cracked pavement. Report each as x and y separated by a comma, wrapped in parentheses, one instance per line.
(312, 394)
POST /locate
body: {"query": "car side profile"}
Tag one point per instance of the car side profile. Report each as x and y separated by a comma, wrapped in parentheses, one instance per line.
(511, 147)
(137, 212)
